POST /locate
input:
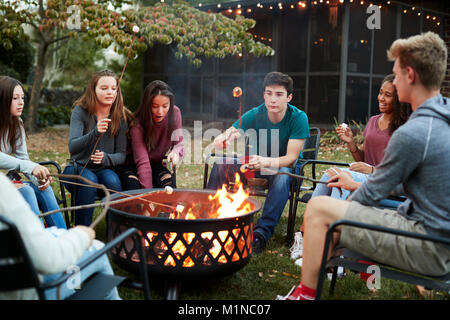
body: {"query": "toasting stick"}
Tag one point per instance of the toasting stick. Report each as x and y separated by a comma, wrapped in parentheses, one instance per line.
(245, 167)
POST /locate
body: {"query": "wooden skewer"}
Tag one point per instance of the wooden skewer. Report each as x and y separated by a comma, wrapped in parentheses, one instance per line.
(107, 202)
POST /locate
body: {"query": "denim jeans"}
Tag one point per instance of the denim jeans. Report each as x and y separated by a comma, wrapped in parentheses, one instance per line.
(46, 201)
(322, 190)
(277, 195)
(86, 195)
(68, 288)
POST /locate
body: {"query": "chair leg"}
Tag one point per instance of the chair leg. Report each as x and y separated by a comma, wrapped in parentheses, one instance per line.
(291, 216)
(333, 280)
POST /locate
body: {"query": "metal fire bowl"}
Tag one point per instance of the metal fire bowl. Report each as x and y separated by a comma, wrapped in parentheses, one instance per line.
(133, 214)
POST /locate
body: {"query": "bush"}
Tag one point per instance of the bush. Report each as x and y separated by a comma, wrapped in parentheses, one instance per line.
(51, 115)
(357, 129)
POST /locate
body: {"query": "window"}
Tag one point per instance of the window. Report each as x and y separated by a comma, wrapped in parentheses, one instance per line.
(383, 40)
(293, 37)
(323, 98)
(326, 30)
(359, 40)
(357, 96)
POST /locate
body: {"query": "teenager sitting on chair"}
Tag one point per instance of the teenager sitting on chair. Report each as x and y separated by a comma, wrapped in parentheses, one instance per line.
(14, 154)
(415, 161)
(275, 117)
(155, 132)
(98, 121)
(377, 133)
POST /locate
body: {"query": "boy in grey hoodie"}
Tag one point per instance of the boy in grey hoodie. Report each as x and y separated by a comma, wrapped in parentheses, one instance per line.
(415, 162)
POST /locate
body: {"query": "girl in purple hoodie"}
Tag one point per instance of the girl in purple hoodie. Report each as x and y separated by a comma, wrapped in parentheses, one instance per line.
(156, 136)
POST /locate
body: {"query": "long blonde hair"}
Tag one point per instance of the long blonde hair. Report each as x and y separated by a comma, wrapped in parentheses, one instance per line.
(89, 100)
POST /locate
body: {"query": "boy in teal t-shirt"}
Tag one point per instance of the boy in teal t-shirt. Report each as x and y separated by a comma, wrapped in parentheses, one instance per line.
(276, 132)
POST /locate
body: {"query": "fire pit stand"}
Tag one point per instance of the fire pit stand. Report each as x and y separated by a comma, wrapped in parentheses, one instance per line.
(181, 249)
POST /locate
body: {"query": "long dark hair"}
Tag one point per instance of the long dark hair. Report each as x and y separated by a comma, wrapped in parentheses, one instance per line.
(144, 112)
(401, 111)
(89, 100)
(10, 127)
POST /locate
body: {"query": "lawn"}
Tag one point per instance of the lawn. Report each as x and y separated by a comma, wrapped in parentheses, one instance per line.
(266, 275)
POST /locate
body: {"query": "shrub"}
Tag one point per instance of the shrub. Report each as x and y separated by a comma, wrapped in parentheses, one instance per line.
(52, 115)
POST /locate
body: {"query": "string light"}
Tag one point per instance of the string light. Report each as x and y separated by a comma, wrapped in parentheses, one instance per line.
(302, 4)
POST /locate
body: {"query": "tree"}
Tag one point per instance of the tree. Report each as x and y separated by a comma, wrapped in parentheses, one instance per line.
(17, 63)
(196, 33)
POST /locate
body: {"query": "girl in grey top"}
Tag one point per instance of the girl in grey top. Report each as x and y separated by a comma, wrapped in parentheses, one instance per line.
(97, 139)
(14, 155)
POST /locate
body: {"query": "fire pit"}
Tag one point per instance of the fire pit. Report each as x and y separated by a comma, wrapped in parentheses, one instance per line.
(188, 234)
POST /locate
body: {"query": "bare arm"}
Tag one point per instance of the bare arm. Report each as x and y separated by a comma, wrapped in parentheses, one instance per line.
(293, 150)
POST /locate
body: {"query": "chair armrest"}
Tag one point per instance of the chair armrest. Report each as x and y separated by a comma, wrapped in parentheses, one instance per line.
(52, 163)
(323, 162)
(409, 234)
(83, 264)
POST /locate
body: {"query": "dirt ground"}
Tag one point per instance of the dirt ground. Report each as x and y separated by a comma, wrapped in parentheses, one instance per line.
(49, 140)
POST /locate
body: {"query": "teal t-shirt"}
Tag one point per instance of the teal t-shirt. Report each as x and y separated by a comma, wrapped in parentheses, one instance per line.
(267, 138)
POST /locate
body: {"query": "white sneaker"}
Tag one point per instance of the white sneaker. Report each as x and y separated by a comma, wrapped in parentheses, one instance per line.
(297, 247)
(299, 262)
(279, 297)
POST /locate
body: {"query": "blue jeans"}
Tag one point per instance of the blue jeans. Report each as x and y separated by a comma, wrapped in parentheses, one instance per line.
(68, 288)
(46, 201)
(322, 190)
(86, 195)
(277, 194)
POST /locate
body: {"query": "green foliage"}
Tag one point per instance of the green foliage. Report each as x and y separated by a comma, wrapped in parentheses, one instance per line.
(52, 115)
(131, 82)
(195, 34)
(74, 63)
(332, 137)
(17, 60)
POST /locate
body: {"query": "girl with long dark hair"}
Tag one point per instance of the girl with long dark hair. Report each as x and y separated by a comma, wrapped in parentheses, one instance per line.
(156, 132)
(14, 154)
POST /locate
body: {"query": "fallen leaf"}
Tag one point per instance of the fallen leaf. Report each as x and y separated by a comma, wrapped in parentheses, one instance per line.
(289, 275)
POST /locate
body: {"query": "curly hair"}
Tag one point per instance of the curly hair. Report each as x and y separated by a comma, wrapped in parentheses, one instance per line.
(401, 111)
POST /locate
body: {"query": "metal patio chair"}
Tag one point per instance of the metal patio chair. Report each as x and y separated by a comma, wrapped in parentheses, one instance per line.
(21, 274)
(352, 260)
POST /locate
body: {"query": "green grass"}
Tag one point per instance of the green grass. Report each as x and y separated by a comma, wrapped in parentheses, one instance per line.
(266, 275)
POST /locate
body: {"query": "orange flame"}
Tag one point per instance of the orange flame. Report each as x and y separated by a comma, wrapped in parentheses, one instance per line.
(229, 205)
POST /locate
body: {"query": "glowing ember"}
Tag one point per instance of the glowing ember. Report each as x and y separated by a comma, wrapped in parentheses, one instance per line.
(237, 92)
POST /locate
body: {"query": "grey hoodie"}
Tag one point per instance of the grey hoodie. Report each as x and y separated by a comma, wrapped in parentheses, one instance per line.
(418, 157)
